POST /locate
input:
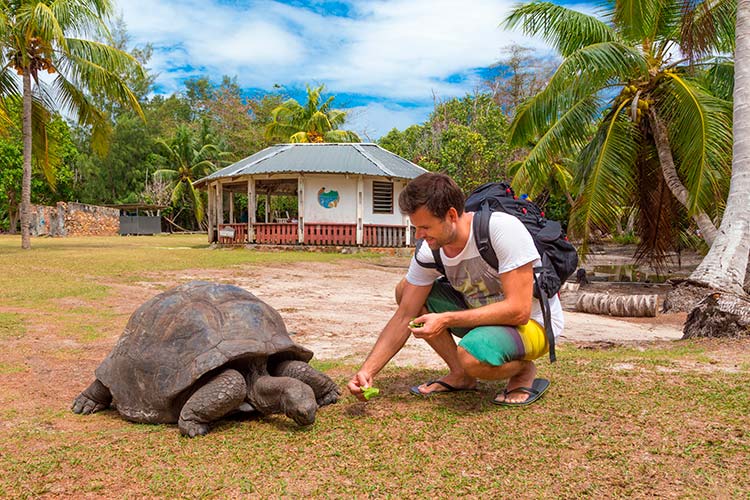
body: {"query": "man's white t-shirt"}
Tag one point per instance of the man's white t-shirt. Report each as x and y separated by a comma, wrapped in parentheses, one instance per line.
(480, 285)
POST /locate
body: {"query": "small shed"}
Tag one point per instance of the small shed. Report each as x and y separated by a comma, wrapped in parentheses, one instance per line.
(346, 194)
(139, 218)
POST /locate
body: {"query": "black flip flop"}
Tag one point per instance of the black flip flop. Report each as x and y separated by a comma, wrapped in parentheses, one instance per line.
(448, 388)
(538, 387)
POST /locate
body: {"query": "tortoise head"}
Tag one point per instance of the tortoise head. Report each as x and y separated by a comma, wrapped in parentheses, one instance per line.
(298, 402)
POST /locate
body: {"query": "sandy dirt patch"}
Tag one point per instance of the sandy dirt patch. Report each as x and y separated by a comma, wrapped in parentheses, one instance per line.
(337, 309)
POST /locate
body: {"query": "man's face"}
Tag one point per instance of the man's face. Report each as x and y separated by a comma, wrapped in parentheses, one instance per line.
(435, 231)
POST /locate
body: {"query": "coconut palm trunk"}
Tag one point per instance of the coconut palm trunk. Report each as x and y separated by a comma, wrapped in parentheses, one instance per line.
(26, 182)
(666, 160)
(725, 265)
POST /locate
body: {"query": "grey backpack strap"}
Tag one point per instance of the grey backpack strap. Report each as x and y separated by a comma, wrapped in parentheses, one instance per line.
(487, 251)
(438, 264)
(481, 228)
(546, 313)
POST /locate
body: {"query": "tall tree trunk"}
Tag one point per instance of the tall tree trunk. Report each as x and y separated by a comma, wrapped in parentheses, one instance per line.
(725, 265)
(26, 183)
(705, 225)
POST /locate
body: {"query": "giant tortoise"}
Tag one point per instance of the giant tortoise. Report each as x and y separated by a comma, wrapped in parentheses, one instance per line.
(199, 351)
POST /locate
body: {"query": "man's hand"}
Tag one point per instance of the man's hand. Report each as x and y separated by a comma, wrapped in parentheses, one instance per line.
(432, 325)
(359, 382)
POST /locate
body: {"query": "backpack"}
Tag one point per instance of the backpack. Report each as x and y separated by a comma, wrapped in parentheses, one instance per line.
(559, 257)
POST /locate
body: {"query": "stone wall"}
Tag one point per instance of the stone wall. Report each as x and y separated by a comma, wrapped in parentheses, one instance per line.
(74, 219)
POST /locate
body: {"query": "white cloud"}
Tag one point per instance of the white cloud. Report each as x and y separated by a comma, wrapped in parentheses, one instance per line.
(376, 119)
(389, 50)
(393, 48)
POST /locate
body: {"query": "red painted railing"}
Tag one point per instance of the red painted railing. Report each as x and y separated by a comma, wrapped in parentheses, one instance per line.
(383, 236)
(276, 233)
(314, 234)
(330, 234)
(232, 234)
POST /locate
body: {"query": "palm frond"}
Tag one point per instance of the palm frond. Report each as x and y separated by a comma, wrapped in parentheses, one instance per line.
(197, 202)
(605, 174)
(319, 123)
(178, 192)
(298, 137)
(708, 26)
(101, 133)
(638, 19)
(172, 154)
(97, 66)
(79, 16)
(166, 174)
(718, 78)
(337, 117)
(74, 102)
(202, 169)
(593, 65)
(341, 136)
(40, 117)
(9, 83)
(545, 177)
(563, 175)
(565, 138)
(700, 135)
(578, 78)
(519, 178)
(39, 19)
(656, 207)
(8, 89)
(565, 29)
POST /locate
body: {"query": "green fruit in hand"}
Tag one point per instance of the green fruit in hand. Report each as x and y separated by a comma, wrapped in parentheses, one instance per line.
(413, 324)
(370, 392)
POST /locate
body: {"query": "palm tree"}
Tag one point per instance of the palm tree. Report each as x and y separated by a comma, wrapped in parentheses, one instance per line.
(313, 122)
(726, 265)
(186, 160)
(47, 35)
(640, 123)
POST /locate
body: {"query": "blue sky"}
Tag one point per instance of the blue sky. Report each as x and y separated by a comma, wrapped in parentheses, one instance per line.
(384, 60)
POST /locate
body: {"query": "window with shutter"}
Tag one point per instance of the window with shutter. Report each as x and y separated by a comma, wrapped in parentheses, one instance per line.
(382, 197)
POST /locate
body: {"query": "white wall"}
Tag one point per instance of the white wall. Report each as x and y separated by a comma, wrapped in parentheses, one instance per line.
(394, 219)
(345, 211)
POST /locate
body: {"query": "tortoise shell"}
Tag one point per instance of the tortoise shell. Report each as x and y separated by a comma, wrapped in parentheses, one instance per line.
(175, 339)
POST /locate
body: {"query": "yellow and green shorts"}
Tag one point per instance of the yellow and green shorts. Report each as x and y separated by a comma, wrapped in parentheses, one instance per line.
(494, 345)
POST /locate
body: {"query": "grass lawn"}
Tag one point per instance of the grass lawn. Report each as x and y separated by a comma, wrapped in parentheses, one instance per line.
(667, 419)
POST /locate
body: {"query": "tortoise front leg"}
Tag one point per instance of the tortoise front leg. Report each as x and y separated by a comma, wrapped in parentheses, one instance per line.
(220, 395)
(94, 398)
(326, 391)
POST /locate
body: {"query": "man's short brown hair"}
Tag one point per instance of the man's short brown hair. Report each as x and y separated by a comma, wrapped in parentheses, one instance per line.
(436, 192)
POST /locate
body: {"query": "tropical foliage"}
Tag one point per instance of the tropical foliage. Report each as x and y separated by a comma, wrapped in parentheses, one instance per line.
(464, 138)
(55, 163)
(50, 36)
(313, 122)
(186, 159)
(629, 121)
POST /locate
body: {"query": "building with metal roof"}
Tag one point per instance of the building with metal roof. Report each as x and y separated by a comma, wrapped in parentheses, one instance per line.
(346, 194)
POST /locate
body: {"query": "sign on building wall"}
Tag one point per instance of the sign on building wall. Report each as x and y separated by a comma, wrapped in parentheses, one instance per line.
(333, 199)
(328, 199)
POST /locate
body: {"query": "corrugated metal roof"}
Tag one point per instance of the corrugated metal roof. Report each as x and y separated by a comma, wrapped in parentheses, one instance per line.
(339, 158)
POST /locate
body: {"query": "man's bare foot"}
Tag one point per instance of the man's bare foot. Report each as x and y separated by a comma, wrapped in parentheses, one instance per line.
(524, 378)
(449, 383)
